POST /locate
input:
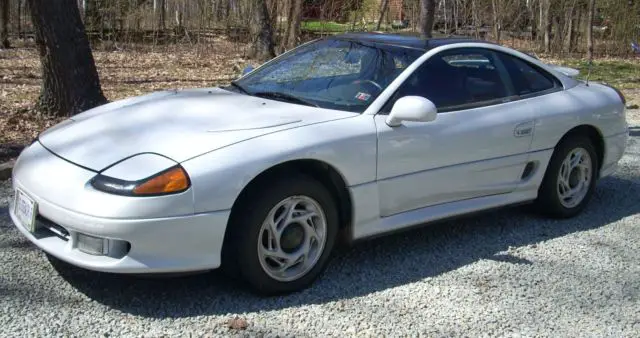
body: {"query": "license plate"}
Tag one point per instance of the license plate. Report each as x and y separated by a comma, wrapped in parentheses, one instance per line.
(25, 210)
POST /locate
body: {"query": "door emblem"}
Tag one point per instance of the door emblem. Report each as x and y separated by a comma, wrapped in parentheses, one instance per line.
(523, 129)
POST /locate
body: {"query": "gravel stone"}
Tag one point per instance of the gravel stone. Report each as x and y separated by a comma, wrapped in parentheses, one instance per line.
(503, 273)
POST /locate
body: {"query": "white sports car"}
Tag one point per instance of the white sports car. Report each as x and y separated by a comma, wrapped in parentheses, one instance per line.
(354, 135)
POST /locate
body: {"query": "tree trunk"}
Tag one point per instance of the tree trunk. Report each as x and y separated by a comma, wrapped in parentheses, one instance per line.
(541, 26)
(590, 16)
(19, 22)
(273, 14)
(4, 32)
(293, 29)
(578, 23)
(497, 29)
(427, 16)
(532, 20)
(455, 15)
(92, 15)
(476, 22)
(383, 9)
(227, 13)
(569, 23)
(160, 9)
(70, 82)
(556, 29)
(446, 16)
(356, 13)
(179, 20)
(262, 48)
(546, 25)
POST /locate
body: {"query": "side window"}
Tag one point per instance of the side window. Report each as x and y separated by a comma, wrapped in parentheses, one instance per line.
(457, 79)
(526, 78)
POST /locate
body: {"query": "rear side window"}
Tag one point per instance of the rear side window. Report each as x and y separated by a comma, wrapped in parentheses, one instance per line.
(526, 78)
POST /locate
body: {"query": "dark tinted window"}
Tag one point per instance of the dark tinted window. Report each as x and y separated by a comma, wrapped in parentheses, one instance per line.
(526, 79)
(457, 78)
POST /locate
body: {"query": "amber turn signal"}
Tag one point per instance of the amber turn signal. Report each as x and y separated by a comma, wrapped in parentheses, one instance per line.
(171, 181)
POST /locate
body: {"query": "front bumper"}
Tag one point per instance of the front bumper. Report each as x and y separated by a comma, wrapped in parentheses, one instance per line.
(164, 244)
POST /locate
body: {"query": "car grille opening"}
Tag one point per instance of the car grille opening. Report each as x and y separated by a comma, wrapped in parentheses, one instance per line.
(46, 228)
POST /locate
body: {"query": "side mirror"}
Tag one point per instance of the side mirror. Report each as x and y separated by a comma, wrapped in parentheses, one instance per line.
(412, 108)
(247, 70)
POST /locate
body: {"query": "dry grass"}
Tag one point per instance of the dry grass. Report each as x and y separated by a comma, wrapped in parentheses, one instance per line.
(129, 73)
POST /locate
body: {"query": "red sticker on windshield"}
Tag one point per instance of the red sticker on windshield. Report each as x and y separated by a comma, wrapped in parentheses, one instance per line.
(363, 96)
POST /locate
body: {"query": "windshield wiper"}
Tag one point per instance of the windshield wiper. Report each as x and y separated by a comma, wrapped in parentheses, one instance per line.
(286, 97)
(239, 87)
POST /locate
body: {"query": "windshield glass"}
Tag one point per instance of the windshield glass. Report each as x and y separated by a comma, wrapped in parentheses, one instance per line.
(332, 73)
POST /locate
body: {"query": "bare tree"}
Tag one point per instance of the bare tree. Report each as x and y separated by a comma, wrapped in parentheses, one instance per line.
(545, 22)
(293, 28)
(383, 9)
(92, 14)
(273, 13)
(497, 22)
(263, 47)
(4, 33)
(590, 15)
(427, 16)
(476, 18)
(159, 8)
(556, 25)
(70, 79)
(569, 23)
(19, 19)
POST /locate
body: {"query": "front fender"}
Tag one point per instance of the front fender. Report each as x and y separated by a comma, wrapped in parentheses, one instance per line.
(348, 145)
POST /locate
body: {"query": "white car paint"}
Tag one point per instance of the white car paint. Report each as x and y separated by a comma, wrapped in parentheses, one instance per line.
(179, 125)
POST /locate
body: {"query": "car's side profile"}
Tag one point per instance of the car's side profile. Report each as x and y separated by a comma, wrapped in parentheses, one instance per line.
(359, 134)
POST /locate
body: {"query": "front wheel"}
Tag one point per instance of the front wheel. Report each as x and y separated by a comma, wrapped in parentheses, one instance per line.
(570, 179)
(284, 235)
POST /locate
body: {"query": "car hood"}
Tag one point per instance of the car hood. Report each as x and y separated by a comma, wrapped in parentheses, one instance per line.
(176, 124)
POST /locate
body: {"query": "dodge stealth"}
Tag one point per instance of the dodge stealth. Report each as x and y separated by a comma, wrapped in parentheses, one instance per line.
(351, 136)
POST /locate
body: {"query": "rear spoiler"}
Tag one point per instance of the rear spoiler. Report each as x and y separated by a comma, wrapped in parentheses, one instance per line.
(570, 72)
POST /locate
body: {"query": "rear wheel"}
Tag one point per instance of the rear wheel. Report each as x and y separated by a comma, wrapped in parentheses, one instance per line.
(570, 179)
(282, 236)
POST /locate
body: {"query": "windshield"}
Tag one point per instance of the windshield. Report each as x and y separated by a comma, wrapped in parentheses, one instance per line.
(332, 73)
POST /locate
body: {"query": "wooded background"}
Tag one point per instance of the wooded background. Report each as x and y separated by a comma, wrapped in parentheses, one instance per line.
(73, 55)
(556, 27)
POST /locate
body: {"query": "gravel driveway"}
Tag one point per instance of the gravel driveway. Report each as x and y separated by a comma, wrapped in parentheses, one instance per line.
(507, 273)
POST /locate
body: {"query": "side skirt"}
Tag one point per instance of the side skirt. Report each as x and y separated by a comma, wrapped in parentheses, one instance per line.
(447, 211)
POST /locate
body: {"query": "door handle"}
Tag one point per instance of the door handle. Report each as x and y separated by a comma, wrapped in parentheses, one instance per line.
(523, 129)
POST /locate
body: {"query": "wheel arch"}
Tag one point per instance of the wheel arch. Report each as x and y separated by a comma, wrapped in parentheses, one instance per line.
(323, 172)
(591, 132)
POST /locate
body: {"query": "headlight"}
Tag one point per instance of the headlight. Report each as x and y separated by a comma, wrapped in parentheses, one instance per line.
(171, 181)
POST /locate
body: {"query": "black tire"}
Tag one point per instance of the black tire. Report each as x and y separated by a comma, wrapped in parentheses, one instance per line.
(548, 201)
(240, 255)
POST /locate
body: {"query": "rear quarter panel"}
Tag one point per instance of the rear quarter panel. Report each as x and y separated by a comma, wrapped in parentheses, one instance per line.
(595, 105)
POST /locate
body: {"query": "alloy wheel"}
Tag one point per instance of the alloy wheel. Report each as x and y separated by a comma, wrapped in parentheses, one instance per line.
(574, 178)
(292, 238)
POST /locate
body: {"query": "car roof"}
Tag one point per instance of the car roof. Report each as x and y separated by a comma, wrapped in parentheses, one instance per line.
(402, 40)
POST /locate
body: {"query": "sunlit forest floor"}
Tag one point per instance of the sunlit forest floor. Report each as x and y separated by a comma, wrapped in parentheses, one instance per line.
(125, 73)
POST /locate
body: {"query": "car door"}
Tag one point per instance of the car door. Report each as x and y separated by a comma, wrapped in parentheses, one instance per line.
(477, 146)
